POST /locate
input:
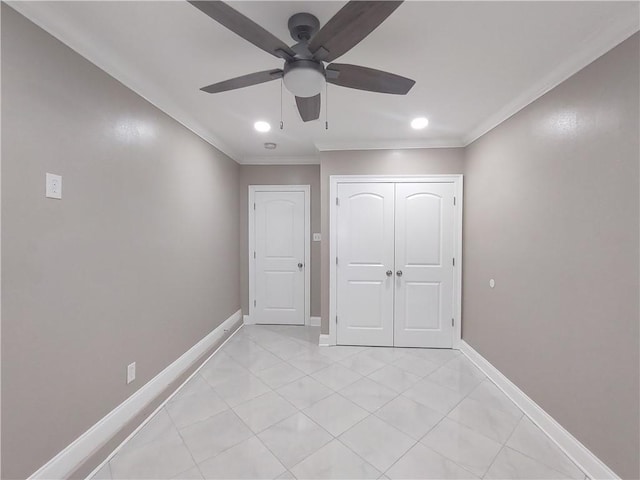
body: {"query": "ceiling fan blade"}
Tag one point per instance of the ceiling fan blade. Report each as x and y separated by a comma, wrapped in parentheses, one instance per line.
(244, 81)
(349, 26)
(245, 27)
(363, 78)
(309, 107)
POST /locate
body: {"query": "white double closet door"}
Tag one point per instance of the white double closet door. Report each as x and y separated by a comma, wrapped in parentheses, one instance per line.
(395, 249)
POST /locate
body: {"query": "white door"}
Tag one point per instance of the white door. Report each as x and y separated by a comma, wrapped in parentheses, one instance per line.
(279, 258)
(365, 264)
(424, 219)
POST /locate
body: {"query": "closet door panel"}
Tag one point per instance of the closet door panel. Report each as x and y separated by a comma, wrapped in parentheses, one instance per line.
(424, 220)
(365, 251)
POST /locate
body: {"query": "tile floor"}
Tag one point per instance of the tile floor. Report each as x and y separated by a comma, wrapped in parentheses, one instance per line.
(272, 404)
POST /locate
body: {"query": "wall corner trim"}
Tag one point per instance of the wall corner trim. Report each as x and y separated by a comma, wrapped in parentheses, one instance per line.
(571, 446)
(246, 319)
(72, 457)
(325, 340)
(314, 321)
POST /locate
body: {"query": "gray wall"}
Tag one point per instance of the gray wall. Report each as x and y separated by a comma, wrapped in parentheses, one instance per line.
(280, 175)
(551, 213)
(433, 161)
(126, 267)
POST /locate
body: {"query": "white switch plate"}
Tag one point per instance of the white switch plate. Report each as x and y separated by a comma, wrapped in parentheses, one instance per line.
(316, 237)
(131, 372)
(492, 283)
(54, 186)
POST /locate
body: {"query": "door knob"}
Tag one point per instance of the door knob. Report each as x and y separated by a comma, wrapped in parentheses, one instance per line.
(389, 273)
(300, 265)
(399, 273)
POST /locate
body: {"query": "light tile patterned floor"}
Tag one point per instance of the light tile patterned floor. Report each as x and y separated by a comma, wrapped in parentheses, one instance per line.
(272, 404)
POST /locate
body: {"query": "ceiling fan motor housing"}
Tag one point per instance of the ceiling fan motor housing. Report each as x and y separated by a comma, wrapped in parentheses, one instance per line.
(303, 26)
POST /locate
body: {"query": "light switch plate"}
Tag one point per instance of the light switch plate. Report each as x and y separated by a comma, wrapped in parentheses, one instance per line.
(316, 237)
(53, 186)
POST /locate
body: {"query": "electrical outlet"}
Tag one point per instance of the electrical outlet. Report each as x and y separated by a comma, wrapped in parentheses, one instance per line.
(131, 372)
(53, 186)
(316, 237)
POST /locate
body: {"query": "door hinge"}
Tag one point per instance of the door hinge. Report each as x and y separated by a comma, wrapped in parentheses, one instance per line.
(336, 318)
(454, 262)
(452, 322)
(337, 201)
(254, 254)
(254, 303)
(336, 260)
(454, 200)
(254, 205)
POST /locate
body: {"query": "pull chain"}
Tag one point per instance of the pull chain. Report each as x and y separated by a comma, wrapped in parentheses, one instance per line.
(281, 122)
(326, 106)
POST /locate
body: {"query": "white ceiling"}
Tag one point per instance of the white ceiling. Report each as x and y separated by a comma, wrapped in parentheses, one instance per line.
(475, 63)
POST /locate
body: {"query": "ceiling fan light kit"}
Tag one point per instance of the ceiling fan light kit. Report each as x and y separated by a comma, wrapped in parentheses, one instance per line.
(304, 78)
(304, 73)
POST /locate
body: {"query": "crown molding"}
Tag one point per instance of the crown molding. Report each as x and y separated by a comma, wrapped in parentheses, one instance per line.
(601, 42)
(391, 144)
(282, 160)
(104, 59)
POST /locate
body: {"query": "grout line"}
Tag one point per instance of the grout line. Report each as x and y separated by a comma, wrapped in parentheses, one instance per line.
(160, 407)
(539, 460)
(298, 410)
(356, 453)
(493, 461)
(369, 414)
(185, 445)
(504, 445)
(309, 454)
(286, 469)
(446, 415)
(525, 415)
(333, 391)
(336, 437)
(230, 446)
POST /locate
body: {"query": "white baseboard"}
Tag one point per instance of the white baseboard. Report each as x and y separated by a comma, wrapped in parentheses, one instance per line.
(72, 457)
(572, 447)
(313, 321)
(324, 340)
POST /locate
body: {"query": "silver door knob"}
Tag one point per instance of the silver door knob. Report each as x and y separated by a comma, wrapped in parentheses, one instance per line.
(300, 265)
(399, 273)
(389, 273)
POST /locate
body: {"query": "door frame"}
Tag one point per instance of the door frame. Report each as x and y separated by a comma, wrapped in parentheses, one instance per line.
(306, 189)
(457, 181)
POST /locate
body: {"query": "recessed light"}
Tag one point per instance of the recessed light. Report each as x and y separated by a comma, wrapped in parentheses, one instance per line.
(262, 126)
(270, 146)
(419, 123)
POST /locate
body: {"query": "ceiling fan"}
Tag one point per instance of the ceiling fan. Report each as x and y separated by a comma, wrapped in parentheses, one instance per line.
(304, 73)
